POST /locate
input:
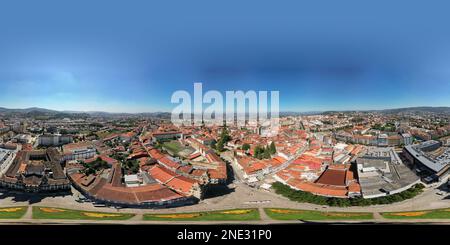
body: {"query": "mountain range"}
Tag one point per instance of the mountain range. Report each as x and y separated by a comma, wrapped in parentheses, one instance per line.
(43, 111)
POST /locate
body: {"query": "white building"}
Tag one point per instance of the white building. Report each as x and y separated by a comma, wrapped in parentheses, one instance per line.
(132, 180)
(79, 151)
(54, 139)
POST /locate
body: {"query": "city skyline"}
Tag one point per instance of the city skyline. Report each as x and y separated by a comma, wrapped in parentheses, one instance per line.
(202, 116)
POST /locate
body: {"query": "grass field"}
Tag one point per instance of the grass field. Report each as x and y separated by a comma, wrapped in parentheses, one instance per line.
(60, 213)
(224, 215)
(173, 146)
(293, 214)
(12, 212)
(424, 214)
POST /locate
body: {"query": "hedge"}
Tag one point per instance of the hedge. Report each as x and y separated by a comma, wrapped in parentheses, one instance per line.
(302, 196)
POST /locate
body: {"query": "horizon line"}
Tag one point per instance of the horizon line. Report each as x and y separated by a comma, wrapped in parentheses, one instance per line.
(162, 111)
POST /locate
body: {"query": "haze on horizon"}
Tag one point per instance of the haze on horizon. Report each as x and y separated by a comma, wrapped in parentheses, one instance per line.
(349, 56)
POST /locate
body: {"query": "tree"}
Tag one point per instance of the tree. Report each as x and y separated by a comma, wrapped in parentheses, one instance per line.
(132, 166)
(224, 138)
(220, 146)
(262, 152)
(94, 166)
(246, 147)
(266, 153)
(272, 148)
(257, 152)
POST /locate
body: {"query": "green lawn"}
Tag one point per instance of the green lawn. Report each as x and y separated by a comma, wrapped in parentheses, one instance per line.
(61, 213)
(423, 214)
(224, 215)
(12, 212)
(173, 146)
(294, 214)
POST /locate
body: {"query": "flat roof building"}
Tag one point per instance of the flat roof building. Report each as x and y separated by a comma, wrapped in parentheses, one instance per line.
(381, 172)
(430, 157)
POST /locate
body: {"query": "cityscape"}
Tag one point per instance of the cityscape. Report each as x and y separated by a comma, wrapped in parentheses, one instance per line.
(224, 121)
(381, 166)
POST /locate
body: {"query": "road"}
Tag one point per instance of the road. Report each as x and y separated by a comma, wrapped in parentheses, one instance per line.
(242, 196)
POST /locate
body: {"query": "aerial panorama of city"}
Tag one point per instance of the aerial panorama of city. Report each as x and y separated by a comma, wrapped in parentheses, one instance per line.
(222, 114)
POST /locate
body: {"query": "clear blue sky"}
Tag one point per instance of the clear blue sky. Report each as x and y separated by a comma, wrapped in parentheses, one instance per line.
(132, 55)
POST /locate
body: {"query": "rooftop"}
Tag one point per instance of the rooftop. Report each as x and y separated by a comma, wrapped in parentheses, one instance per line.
(431, 154)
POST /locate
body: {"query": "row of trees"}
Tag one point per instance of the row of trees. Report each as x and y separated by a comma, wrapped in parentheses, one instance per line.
(302, 196)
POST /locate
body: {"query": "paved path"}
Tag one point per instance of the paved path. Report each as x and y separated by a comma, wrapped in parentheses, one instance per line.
(265, 219)
(263, 215)
(137, 217)
(29, 213)
(377, 216)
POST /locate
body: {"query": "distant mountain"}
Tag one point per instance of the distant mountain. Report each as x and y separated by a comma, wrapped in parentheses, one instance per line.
(438, 110)
(42, 112)
(27, 110)
(293, 113)
(36, 111)
(419, 109)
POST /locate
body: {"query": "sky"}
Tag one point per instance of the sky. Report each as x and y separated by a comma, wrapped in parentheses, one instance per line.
(131, 56)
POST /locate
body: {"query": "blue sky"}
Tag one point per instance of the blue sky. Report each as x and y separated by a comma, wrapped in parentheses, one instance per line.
(130, 57)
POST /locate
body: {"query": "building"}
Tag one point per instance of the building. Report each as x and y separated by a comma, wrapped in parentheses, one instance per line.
(170, 135)
(132, 180)
(19, 127)
(381, 172)
(431, 159)
(407, 139)
(78, 151)
(22, 139)
(54, 139)
(445, 141)
(383, 140)
(106, 187)
(3, 128)
(7, 156)
(394, 140)
(36, 171)
(337, 180)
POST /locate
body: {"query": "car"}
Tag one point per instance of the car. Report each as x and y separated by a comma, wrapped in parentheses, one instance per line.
(441, 193)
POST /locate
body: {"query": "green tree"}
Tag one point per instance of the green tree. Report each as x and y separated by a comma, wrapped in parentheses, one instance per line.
(266, 153)
(131, 166)
(224, 138)
(257, 152)
(272, 148)
(220, 146)
(246, 147)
